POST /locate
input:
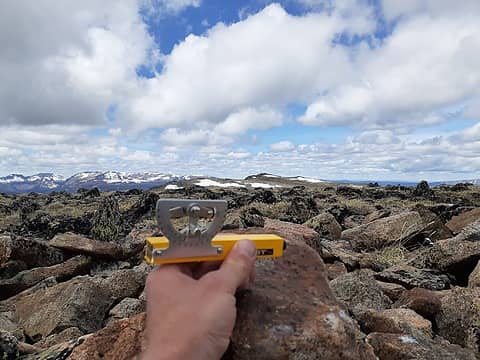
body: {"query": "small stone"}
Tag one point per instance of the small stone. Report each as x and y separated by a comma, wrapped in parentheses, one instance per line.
(392, 290)
(410, 277)
(335, 270)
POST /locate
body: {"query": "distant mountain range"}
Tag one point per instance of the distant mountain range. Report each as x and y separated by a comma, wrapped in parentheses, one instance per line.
(105, 181)
(113, 181)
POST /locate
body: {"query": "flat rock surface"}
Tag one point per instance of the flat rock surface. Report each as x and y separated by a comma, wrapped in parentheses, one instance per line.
(81, 244)
(459, 222)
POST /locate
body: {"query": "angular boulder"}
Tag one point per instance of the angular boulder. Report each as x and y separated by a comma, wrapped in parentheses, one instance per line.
(326, 225)
(383, 232)
(401, 321)
(407, 347)
(80, 244)
(81, 302)
(34, 253)
(459, 222)
(77, 265)
(359, 291)
(410, 277)
(424, 302)
(458, 320)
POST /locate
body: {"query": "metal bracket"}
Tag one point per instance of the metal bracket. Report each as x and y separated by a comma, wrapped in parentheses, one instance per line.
(194, 240)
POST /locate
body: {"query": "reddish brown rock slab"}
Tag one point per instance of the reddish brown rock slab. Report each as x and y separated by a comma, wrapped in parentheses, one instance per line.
(80, 244)
(424, 302)
(474, 277)
(292, 231)
(407, 347)
(459, 222)
(77, 265)
(120, 340)
(291, 312)
(402, 321)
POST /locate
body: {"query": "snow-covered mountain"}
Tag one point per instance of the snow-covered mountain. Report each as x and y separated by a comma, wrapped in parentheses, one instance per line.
(105, 181)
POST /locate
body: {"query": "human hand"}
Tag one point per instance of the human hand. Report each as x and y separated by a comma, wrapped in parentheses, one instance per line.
(191, 307)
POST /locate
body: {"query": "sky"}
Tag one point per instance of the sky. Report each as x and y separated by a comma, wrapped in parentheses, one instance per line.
(332, 89)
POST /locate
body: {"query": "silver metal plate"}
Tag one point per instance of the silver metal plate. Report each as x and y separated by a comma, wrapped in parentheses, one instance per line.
(194, 240)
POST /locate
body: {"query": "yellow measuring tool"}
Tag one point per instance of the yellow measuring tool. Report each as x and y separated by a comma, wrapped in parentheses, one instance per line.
(199, 242)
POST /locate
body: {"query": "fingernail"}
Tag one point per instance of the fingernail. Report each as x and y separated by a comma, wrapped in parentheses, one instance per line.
(246, 247)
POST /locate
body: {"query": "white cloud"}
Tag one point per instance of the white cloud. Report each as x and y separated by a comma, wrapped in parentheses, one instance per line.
(249, 118)
(282, 146)
(67, 64)
(394, 8)
(268, 60)
(408, 80)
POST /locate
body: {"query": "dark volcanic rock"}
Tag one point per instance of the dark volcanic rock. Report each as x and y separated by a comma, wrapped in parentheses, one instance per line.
(326, 225)
(300, 209)
(8, 346)
(406, 347)
(392, 290)
(423, 189)
(251, 217)
(107, 222)
(411, 277)
(359, 291)
(75, 266)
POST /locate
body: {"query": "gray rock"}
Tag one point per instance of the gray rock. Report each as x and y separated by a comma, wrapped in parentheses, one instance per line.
(61, 272)
(8, 346)
(359, 291)
(410, 277)
(80, 244)
(126, 308)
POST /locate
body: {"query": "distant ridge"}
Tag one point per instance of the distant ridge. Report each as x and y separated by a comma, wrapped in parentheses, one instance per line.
(105, 181)
(114, 180)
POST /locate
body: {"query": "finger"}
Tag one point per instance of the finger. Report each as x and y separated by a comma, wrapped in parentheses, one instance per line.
(186, 269)
(236, 268)
(205, 267)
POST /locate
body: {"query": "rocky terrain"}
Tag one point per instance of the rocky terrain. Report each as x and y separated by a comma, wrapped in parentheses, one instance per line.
(370, 272)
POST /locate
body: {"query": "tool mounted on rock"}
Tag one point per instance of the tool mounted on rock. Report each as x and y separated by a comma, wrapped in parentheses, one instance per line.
(199, 240)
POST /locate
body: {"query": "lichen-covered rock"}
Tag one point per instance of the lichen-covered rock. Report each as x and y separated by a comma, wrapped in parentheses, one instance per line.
(378, 214)
(75, 266)
(251, 217)
(410, 277)
(424, 302)
(407, 347)
(359, 291)
(326, 225)
(107, 223)
(80, 244)
(458, 320)
(402, 321)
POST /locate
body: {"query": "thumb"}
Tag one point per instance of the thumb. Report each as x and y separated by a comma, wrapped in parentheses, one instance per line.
(236, 268)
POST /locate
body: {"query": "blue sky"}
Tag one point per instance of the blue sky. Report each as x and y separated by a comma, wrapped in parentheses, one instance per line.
(334, 89)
